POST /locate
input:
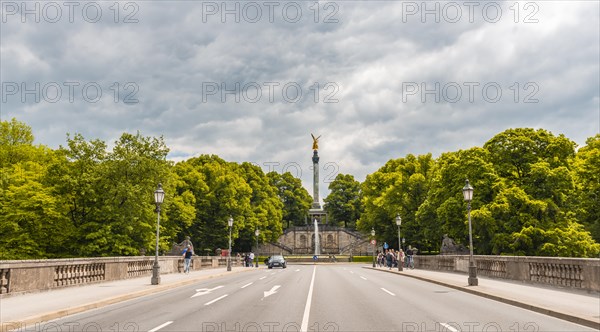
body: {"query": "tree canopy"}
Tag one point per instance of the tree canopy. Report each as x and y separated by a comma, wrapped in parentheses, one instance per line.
(535, 194)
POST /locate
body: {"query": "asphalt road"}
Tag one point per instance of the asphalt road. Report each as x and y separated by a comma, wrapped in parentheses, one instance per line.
(310, 298)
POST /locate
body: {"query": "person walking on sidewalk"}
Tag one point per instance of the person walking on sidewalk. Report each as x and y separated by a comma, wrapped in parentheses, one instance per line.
(401, 257)
(187, 255)
(409, 255)
(388, 259)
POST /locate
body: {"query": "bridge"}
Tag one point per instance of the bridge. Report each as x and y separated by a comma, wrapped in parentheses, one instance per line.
(561, 294)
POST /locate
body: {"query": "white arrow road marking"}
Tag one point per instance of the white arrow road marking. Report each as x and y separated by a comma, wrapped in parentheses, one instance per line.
(449, 327)
(246, 285)
(161, 326)
(215, 300)
(204, 291)
(387, 291)
(272, 291)
(363, 278)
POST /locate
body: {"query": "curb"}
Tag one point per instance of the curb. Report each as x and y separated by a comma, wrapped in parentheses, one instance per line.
(24, 322)
(516, 303)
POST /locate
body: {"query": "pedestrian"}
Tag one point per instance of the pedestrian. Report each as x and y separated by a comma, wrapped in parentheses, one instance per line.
(251, 259)
(388, 259)
(409, 255)
(401, 257)
(187, 258)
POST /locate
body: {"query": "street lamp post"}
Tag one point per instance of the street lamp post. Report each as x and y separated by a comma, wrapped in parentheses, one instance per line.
(257, 233)
(159, 196)
(373, 239)
(230, 223)
(399, 223)
(468, 195)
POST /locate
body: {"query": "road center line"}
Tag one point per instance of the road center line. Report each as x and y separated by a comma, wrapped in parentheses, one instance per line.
(387, 291)
(449, 327)
(304, 326)
(363, 278)
(161, 326)
(215, 300)
(261, 278)
(246, 285)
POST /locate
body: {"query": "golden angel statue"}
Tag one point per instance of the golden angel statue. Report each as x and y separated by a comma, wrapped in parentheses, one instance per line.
(315, 142)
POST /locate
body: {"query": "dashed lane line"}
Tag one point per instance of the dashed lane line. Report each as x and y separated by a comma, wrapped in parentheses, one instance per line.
(387, 291)
(449, 327)
(215, 300)
(161, 326)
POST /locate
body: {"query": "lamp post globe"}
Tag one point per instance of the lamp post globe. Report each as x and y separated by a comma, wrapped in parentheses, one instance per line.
(468, 196)
(399, 223)
(257, 233)
(373, 238)
(230, 224)
(159, 196)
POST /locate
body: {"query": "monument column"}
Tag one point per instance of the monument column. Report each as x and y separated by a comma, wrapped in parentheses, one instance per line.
(315, 160)
(316, 213)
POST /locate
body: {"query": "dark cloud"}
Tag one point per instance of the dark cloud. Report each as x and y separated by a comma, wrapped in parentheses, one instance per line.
(352, 62)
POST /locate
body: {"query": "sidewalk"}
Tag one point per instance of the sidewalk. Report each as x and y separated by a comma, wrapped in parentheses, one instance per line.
(568, 304)
(27, 309)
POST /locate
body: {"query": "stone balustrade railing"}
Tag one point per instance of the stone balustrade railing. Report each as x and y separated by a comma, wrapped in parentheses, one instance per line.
(35, 275)
(577, 273)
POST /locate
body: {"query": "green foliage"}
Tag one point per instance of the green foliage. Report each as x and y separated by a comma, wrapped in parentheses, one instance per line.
(399, 187)
(343, 204)
(296, 200)
(586, 198)
(534, 195)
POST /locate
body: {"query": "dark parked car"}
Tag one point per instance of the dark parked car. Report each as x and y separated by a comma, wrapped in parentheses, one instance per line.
(276, 260)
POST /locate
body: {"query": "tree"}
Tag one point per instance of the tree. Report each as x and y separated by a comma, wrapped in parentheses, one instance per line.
(343, 203)
(296, 200)
(586, 199)
(108, 194)
(220, 191)
(266, 212)
(31, 213)
(444, 209)
(399, 187)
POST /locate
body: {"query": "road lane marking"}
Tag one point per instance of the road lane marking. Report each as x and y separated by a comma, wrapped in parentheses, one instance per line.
(161, 326)
(215, 300)
(304, 326)
(246, 285)
(449, 327)
(352, 272)
(261, 278)
(363, 278)
(204, 291)
(272, 291)
(297, 270)
(387, 291)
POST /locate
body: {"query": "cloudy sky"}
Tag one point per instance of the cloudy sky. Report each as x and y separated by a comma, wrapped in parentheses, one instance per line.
(251, 80)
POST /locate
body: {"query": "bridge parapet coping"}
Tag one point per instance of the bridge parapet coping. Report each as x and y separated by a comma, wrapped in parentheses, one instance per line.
(44, 274)
(578, 273)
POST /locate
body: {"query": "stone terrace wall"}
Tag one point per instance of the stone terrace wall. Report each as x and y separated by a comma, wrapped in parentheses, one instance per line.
(35, 275)
(577, 273)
